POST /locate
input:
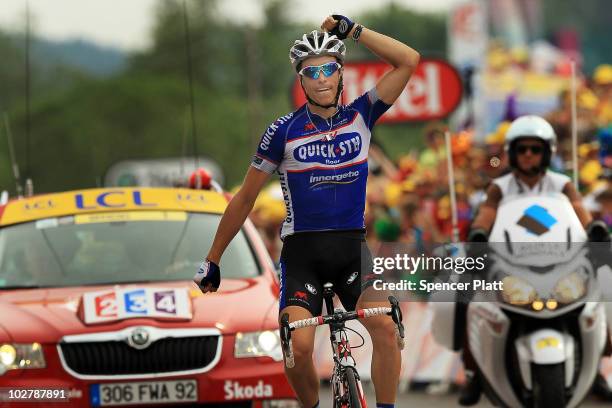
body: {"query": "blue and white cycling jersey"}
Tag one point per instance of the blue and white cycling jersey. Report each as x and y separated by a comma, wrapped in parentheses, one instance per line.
(322, 164)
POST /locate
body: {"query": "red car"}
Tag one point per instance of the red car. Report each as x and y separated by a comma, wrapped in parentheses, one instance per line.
(97, 306)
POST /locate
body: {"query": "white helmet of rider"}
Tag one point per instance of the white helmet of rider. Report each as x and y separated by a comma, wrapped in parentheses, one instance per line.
(531, 126)
(315, 44)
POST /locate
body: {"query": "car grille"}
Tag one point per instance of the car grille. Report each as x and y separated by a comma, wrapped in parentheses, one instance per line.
(118, 358)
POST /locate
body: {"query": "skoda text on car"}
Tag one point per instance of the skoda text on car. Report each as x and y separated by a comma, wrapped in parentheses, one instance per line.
(96, 300)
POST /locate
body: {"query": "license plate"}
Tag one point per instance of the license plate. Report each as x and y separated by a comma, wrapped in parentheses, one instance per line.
(157, 392)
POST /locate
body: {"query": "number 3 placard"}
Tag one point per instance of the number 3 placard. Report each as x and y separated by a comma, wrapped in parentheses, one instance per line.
(122, 304)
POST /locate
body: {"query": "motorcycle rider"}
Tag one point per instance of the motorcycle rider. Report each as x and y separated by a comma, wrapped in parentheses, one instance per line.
(530, 144)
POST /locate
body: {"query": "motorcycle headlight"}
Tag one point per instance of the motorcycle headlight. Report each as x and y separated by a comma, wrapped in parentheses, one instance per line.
(517, 292)
(19, 356)
(259, 344)
(570, 288)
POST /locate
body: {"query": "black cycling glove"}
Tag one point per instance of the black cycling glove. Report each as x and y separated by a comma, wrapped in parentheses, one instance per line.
(343, 28)
(209, 274)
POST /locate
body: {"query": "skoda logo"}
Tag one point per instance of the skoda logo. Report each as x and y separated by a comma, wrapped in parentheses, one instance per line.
(139, 338)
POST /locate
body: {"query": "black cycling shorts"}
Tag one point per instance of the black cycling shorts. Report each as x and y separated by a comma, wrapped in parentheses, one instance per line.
(311, 259)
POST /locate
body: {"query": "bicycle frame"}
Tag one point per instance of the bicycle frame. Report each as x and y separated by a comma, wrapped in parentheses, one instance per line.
(343, 359)
(346, 385)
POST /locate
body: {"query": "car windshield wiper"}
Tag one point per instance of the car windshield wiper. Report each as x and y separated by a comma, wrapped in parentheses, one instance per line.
(24, 287)
(117, 282)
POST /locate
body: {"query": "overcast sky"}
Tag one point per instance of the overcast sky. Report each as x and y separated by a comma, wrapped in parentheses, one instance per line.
(126, 24)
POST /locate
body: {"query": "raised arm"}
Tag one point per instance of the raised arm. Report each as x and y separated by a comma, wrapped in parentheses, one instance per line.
(401, 57)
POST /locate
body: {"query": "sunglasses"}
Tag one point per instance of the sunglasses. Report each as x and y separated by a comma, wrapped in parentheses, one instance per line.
(314, 71)
(522, 149)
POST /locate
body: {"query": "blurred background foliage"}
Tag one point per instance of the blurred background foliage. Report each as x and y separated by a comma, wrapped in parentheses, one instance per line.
(89, 113)
(83, 121)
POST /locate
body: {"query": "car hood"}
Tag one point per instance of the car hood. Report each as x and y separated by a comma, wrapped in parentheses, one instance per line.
(46, 315)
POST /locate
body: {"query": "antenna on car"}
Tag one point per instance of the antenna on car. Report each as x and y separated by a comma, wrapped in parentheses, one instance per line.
(29, 185)
(184, 150)
(12, 157)
(190, 78)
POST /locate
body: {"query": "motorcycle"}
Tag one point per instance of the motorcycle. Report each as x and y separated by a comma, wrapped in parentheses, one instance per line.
(539, 340)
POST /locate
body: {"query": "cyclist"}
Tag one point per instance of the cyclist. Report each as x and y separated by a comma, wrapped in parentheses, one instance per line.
(320, 153)
(530, 143)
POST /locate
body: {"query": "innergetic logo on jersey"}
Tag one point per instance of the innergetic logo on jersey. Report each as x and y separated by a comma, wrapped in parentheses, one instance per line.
(537, 220)
(342, 178)
(342, 148)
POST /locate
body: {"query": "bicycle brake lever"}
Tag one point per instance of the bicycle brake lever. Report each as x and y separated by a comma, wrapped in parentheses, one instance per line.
(285, 335)
(396, 315)
(285, 330)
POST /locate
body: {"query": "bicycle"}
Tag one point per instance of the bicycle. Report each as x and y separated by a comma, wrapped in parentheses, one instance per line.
(345, 382)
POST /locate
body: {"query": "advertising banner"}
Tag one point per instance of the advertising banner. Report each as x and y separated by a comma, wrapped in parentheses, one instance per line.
(433, 92)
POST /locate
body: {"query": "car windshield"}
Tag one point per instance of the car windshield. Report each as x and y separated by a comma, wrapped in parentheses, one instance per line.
(114, 248)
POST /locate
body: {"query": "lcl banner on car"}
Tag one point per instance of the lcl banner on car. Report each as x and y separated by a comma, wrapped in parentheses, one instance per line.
(433, 92)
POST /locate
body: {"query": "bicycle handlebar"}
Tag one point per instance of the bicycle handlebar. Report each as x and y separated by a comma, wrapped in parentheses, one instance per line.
(338, 317)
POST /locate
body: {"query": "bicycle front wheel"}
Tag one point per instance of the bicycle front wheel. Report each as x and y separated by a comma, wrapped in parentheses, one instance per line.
(355, 398)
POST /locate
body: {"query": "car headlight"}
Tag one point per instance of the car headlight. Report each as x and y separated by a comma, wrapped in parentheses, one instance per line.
(517, 292)
(8, 355)
(258, 344)
(19, 356)
(570, 288)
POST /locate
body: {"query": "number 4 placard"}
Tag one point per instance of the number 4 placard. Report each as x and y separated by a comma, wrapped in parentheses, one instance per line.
(165, 301)
(122, 304)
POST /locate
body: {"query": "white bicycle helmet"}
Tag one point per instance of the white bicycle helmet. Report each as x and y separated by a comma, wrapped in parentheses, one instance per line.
(315, 44)
(531, 126)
